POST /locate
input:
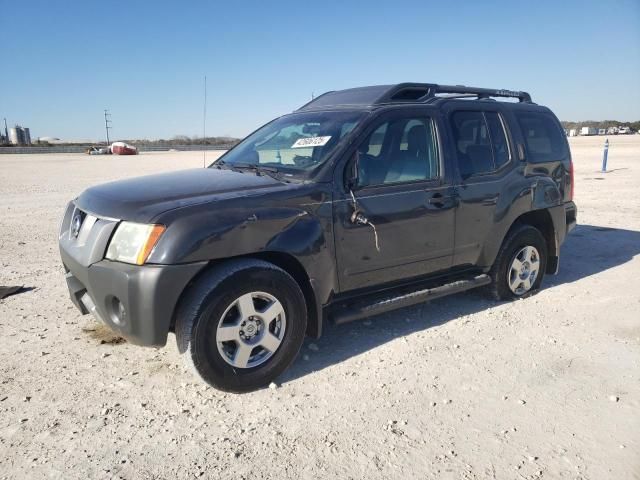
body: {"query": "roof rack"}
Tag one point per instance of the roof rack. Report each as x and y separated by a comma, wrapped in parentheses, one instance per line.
(406, 93)
(481, 93)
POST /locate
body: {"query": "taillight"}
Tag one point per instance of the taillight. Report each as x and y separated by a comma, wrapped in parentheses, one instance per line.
(572, 183)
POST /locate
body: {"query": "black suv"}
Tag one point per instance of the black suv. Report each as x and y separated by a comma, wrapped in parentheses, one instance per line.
(361, 201)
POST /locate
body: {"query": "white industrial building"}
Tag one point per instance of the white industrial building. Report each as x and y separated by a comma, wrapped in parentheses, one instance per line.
(19, 135)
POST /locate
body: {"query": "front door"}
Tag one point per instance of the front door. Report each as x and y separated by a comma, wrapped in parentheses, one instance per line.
(406, 206)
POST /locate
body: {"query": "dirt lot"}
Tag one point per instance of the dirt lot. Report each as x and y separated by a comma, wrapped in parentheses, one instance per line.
(547, 387)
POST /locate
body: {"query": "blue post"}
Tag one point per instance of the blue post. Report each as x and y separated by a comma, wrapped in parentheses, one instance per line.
(605, 155)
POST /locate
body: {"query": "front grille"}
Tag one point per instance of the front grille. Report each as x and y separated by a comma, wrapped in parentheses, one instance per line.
(83, 236)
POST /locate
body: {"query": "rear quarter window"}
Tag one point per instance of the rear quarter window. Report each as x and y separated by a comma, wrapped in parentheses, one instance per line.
(543, 138)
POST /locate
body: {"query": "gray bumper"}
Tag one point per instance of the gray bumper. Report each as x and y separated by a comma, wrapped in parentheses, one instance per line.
(136, 301)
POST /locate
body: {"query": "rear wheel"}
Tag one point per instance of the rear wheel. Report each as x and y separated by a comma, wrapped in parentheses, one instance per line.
(241, 325)
(520, 265)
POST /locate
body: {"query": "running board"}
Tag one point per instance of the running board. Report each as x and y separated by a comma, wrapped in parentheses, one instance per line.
(381, 304)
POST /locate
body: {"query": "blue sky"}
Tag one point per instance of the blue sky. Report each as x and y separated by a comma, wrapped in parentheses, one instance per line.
(64, 62)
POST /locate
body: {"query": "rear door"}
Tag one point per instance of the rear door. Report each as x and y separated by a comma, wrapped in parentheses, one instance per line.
(406, 197)
(484, 156)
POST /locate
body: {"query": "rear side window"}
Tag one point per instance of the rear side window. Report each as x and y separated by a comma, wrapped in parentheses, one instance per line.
(543, 138)
(501, 153)
(481, 142)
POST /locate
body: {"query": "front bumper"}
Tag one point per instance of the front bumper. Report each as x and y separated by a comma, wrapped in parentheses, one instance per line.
(136, 301)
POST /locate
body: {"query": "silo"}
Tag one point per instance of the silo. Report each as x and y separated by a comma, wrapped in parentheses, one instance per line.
(26, 136)
(15, 134)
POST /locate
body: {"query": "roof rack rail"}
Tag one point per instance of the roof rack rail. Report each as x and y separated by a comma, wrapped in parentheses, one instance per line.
(479, 92)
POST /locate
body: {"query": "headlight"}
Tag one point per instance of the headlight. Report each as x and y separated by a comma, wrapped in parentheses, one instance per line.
(133, 242)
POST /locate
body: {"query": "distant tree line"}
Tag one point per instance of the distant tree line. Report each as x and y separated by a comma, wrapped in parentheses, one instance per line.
(635, 126)
(177, 140)
(186, 140)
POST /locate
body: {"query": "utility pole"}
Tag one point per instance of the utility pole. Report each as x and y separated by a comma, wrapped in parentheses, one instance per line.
(107, 124)
(204, 126)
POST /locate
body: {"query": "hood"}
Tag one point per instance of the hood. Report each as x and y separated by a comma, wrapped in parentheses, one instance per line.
(143, 198)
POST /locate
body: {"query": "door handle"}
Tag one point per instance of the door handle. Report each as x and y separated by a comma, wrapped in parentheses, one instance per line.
(439, 200)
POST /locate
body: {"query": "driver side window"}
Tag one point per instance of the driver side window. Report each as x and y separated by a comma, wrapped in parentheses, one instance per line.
(399, 151)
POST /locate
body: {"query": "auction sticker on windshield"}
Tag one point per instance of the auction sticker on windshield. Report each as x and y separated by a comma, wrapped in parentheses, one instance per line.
(311, 142)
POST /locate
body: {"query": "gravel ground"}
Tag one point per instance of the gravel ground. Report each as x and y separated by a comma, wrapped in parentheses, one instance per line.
(462, 388)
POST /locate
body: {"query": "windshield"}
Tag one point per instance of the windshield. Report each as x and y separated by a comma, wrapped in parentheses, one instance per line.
(294, 144)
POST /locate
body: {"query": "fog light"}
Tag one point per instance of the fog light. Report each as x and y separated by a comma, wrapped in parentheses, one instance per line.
(118, 312)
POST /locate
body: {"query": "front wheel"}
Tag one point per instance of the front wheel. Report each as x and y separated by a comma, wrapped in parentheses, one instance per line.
(241, 325)
(520, 265)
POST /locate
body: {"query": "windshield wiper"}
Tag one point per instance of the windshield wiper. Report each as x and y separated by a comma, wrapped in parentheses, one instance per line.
(233, 166)
(271, 171)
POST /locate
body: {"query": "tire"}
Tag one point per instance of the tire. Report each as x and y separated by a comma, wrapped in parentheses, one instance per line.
(505, 272)
(214, 340)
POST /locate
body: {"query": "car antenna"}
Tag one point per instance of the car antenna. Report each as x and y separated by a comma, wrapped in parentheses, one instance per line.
(204, 126)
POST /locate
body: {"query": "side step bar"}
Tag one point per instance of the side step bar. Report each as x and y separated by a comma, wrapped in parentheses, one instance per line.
(377, 305)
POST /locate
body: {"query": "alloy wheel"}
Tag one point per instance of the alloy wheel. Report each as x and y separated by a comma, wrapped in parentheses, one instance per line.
(251, 329)
(523, 271)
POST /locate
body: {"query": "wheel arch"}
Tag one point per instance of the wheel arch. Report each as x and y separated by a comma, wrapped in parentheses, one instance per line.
(293, 267)
(286, 262)
(541, 220)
